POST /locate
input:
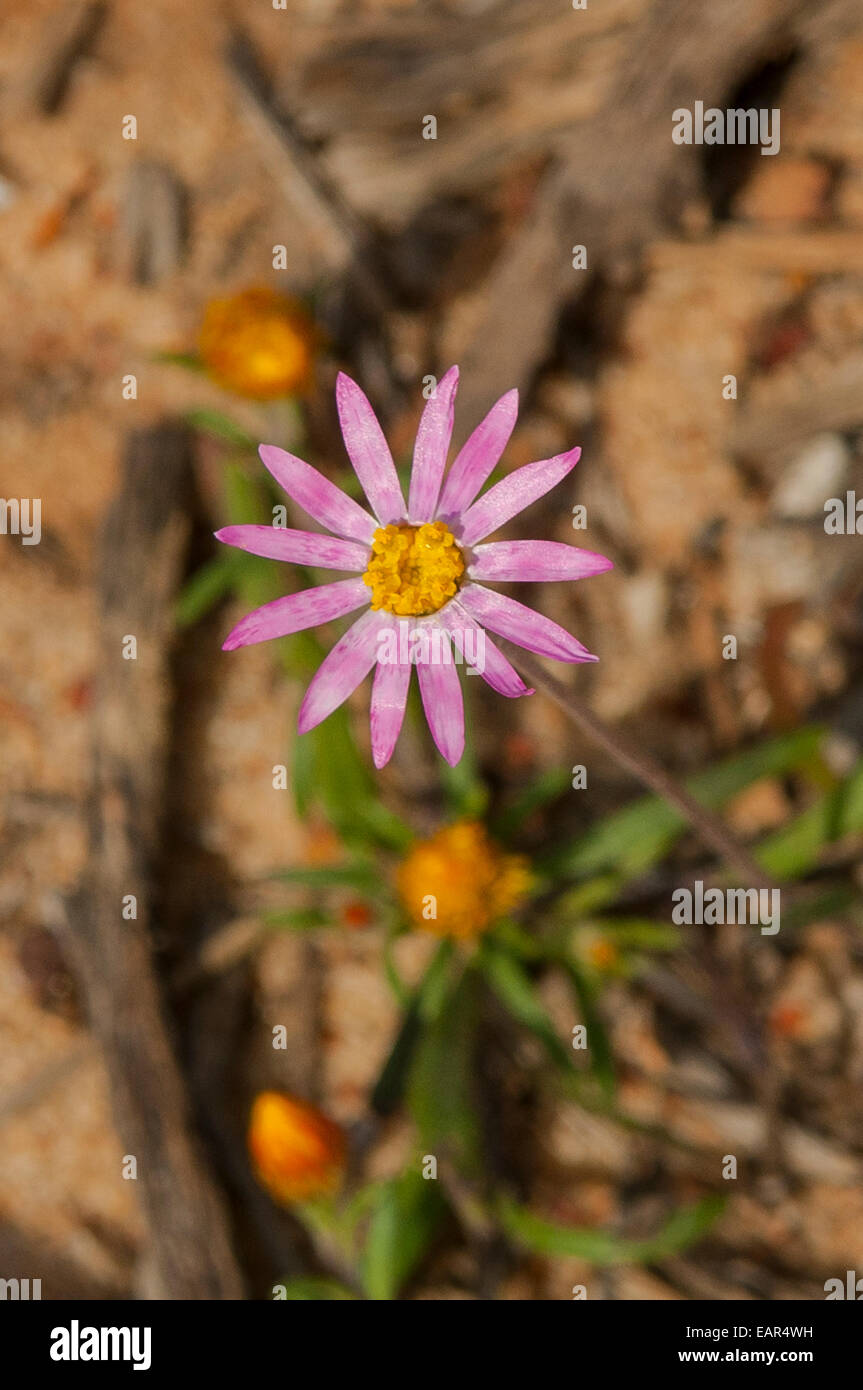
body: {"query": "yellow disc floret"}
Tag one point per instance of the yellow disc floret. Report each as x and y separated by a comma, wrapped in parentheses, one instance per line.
(414, 570)
(460, 882)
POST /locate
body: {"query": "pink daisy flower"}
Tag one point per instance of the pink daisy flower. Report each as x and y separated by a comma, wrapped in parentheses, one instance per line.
(421, 568)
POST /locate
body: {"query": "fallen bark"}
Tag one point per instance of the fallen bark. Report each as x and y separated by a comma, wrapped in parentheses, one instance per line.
(140, 566)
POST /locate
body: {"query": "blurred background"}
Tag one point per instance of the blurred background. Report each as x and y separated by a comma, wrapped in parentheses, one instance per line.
(404, 186)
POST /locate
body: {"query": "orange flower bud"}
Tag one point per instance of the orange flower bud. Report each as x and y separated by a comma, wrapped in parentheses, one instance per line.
(297, 1152)
(258, 344)
(603, 954)
(788, 1020)
(356, 914)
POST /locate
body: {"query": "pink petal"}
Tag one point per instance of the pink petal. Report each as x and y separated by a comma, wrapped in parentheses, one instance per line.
(440, 689)
(521, 624)
(299, 547)
(317, 495)
(496, 671)
(297, 611)
(506, 561)
(478, 457)
(431, 449)
(341, 671)
(369, 452)
(512, 494)
(389, 698)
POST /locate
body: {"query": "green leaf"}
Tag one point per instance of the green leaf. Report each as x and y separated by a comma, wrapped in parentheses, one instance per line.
(463, 786)
(547, 787)
(316, 1290)
(586, 898)
(639, 933)
(516, 990)
(189, 360)
(244, 495)
(833, 899)
(395, 929)
(362, 876)
(299, 919)
(221, 427)
(547, 1238)
(600, 1055)
(343, 785)
(406, 1216)
(795, 849)
(204, 589)
(424, 1005)
(303, 776)
(441, 1085)
(636, 837)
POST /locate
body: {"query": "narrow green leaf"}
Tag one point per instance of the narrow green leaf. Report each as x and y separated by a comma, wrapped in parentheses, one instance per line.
(463, 786)
(424, 1004)
(344, 786)
(299, 919)
(516, 990)
(395, 929)
(204, 589)
(303, 775)
(639, 933)
(832, 899)
(189, 360)
(405, 1219)
(547, 787)
(588, 897)
(795, 849)
(316, 1290)
(546, 1238)
(600, 1055)
(362, 876)
(441, 1083)
(221, 427)
(636, 837)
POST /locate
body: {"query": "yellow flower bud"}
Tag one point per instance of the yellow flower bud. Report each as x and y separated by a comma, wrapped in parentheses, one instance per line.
(258, 343)
(459, 882)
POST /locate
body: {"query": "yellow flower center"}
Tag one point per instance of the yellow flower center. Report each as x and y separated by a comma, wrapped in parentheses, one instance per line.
(414, 570)
(459, 882)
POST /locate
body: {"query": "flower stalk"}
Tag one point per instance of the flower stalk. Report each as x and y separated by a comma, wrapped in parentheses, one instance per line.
(711, 829)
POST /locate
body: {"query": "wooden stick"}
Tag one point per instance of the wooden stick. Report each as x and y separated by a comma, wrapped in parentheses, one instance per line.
(141, 565)
(618, 181)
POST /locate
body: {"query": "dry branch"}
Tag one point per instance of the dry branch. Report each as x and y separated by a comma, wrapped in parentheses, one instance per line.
(768, 433)
(141, 559)
(68, 35)
(346, 243)
(153, 226)
(620, 179)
